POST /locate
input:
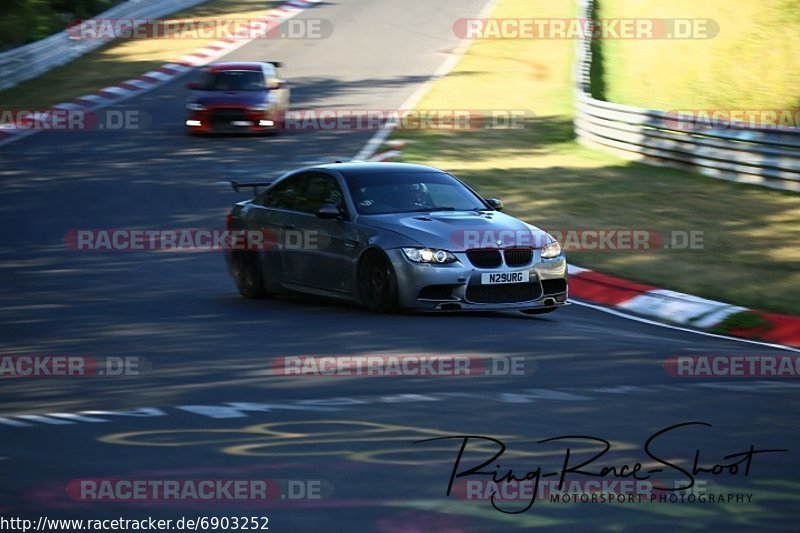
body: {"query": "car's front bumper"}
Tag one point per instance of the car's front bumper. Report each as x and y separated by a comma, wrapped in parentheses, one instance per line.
(457, 286)
(232, 120)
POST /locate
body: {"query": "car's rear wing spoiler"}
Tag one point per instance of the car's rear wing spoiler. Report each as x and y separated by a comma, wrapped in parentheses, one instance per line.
(236, 185)
(276, 64)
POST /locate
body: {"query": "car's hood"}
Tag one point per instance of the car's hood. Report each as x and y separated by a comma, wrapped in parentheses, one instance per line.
(460, 230)
(230, 98)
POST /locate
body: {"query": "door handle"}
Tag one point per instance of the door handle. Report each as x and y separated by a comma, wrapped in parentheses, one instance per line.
(288, 226)
(350, 243)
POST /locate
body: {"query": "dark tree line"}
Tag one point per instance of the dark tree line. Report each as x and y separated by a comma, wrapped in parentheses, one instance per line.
(24, 21)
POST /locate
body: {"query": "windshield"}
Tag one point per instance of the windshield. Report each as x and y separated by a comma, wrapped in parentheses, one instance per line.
(405, 192)
(234, 80)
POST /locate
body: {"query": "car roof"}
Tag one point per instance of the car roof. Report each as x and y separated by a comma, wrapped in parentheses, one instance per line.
(218, 67)
(371, 167)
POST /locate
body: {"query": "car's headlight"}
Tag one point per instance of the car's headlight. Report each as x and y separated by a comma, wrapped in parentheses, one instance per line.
(194, 106)
(551, 250)
(428, 255)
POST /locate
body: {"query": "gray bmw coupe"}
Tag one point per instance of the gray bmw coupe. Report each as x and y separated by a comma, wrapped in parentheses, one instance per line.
(393, 237)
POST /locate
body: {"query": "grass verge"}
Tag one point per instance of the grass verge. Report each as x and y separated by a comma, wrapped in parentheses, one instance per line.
(753, 63)
(751, 248)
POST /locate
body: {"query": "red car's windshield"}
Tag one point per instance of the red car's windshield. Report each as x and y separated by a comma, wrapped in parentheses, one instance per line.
(234, 80)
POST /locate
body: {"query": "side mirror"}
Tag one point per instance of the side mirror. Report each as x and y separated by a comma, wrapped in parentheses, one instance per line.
(495, 204)
(328, 212)
(193, 86)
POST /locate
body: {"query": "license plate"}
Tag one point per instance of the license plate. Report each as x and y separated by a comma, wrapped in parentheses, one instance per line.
(241, 123)
(496, 278)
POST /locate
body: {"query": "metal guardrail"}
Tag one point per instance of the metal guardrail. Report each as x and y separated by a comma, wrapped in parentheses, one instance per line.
(31, 60)
(767, 157)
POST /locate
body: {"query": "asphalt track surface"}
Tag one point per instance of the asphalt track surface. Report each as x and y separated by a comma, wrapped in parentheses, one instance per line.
(588, 373)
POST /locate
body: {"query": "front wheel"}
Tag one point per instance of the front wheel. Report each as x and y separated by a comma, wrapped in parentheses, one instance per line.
(247, 275)
(377, 284)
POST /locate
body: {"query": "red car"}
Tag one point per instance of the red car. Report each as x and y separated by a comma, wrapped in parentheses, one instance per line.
(237, 98)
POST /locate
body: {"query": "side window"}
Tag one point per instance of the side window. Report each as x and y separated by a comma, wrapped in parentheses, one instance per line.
(284, 194)
(319, 189)
(270, 75)
(205, 77)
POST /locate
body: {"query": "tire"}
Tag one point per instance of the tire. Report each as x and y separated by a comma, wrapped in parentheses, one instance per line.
(377, 284)
(246, 269)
